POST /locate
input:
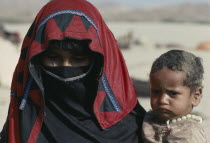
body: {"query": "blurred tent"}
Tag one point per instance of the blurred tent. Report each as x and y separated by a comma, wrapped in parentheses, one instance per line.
(204, 46)
(13, 37)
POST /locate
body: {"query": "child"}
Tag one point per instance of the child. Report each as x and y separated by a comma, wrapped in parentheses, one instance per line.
(71, 83)
(176, 87)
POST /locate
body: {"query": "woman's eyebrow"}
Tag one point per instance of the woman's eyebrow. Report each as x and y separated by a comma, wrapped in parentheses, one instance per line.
(54, 50)
(51, 52)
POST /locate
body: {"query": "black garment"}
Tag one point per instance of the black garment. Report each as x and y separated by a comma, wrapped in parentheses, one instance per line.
(60, 127)
(70, 85)
(69, 112)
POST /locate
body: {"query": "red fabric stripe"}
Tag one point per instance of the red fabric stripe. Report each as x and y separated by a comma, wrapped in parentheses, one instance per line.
(37, 127)
(76, 26)
(37, 97)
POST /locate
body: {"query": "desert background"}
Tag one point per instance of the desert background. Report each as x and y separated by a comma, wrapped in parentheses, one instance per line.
(143, 33)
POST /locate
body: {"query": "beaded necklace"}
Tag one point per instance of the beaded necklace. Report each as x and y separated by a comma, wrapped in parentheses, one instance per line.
(188, 116)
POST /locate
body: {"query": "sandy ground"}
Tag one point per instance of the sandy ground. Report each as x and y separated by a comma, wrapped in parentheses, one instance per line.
(138, 59)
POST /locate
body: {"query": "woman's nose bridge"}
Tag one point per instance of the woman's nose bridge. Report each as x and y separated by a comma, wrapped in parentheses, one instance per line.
(67, 62)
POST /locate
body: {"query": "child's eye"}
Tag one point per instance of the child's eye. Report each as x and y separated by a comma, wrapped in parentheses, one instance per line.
(172, 93)
(156, 92)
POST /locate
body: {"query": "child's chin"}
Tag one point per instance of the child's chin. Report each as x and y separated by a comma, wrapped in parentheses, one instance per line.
(165, 116)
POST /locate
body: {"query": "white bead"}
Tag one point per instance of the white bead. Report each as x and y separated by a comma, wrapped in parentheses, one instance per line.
(200, 120)
(193, 117)
(197, 118)
(167, 123)
(174, 121)
(189, 116)
(184, 118)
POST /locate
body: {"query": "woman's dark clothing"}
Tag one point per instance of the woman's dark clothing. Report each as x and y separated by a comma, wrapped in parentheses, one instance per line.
(78, 123)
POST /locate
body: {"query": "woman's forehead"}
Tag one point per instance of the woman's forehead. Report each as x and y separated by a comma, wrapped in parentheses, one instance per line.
(62, 52)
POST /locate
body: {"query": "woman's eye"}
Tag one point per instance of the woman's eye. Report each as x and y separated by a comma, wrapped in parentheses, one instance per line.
(52, 57)
(79, 59)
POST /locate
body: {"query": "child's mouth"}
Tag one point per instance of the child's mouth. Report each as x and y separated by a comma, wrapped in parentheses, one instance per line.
(164, 112)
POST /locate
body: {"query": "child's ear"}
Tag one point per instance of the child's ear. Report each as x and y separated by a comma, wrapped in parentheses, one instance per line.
(196, 97)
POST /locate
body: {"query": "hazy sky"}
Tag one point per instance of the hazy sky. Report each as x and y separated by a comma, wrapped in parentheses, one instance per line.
(147, 3)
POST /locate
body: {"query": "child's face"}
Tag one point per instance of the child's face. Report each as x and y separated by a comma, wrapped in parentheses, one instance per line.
(169, 97)
(56, 57)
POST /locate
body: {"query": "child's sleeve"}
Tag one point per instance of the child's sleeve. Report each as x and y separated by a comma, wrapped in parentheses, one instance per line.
(188, 133)
(198, 134)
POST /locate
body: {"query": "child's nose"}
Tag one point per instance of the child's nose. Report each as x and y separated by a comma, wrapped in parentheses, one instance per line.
(163, 99)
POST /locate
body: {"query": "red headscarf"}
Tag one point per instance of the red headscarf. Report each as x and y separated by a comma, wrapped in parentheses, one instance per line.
(81, 20)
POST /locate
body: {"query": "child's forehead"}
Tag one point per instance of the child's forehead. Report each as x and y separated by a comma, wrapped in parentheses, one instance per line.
(169, 69)
(166, 74)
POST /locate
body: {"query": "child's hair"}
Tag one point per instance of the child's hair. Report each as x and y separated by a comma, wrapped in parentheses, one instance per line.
(77, 47)
(179, 60)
